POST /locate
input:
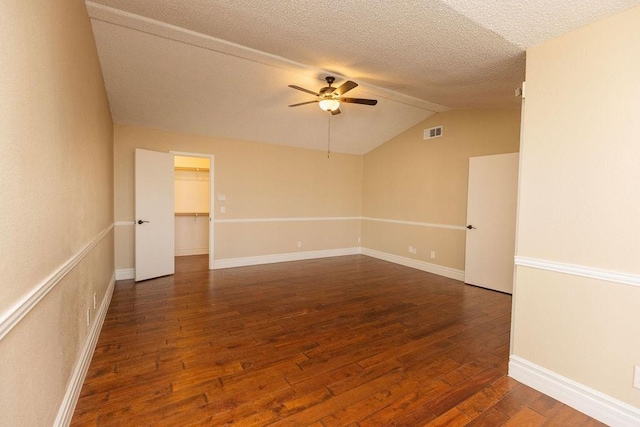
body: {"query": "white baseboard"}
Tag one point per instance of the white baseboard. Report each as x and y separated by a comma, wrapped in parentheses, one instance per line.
(189, 252)
(129, 273)
(585, 399)
(440, 270)
(65, 413)
(294, 256)
(125, 274)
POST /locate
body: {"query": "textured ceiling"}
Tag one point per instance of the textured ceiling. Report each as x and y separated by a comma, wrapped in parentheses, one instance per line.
(527, 23)
(221, 67)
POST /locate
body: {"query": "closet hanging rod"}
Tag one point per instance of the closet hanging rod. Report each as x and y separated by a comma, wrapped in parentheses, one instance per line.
(192, 214)
(184, 168)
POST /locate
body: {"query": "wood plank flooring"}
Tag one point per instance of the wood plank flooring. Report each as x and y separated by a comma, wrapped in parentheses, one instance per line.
(347, 341)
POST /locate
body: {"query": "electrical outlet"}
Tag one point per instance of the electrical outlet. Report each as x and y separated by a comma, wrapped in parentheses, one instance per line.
(433, 254)
(95, 301)
(358, 240)
(223, 209)
(412, 250)
(299, 243)
(88, 316)
(636, 377)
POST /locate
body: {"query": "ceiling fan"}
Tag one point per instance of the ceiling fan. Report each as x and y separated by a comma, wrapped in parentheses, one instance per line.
(330, 97)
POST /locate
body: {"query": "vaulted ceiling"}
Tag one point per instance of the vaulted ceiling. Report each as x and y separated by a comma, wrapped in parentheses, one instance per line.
(221, 67)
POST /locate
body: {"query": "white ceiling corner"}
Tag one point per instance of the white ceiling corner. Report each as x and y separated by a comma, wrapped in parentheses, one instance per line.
(527, 23)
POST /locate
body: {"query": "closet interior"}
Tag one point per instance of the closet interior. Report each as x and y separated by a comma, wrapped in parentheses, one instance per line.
(192, 193)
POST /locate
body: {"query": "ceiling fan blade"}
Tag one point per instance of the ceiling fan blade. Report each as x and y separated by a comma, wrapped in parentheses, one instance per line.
(336, 111)
(303, 89)
(303, 103)
(345, 87)
(359, 101)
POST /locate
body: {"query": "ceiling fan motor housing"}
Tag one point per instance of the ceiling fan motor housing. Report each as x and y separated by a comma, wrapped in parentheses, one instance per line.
(325, 92)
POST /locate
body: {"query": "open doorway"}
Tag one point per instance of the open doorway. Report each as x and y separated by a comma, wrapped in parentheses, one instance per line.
(193, 206)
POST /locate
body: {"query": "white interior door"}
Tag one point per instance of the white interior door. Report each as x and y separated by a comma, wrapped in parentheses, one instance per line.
(154, 214)
(491, 211)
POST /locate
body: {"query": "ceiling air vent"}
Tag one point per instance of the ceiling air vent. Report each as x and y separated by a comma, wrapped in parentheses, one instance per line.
(431, 133)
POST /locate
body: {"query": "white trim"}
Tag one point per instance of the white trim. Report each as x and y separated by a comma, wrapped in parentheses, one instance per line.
(518, 203)
(339, 218)
(325, 218)
(297, 256)
(12, 316)
(440, 270)
(301, 219)
(190, 154)
(125, 274)
(420, 224)
(585, 399)
(192, 251)
(65, 413)
(129, 273)
(293, 256)
(579, 270)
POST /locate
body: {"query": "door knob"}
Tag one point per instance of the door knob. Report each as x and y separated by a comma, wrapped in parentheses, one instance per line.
(141, 221)
(471, 227)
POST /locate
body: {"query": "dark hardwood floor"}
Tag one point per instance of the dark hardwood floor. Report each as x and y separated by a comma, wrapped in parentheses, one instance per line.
(348, 341)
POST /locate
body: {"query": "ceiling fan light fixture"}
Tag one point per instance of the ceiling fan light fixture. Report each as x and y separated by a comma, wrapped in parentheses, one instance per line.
(329, 104)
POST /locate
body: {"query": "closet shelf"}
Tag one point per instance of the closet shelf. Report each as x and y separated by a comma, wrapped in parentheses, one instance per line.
(183, 168)
(192, 213)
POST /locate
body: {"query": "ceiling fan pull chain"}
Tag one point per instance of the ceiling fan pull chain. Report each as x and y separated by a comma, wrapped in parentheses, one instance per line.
(329, 136)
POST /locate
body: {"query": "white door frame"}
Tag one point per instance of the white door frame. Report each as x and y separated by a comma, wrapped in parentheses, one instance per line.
(211, 198)
(515, 269)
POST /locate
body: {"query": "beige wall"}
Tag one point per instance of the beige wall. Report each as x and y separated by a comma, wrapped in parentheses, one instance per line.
(56, 171)
(579, 206)
(410, 179)
(259, 181)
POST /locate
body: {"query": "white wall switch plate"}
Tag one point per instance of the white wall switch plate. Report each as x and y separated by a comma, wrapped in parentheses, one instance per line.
(222, 197)
(223, 209)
